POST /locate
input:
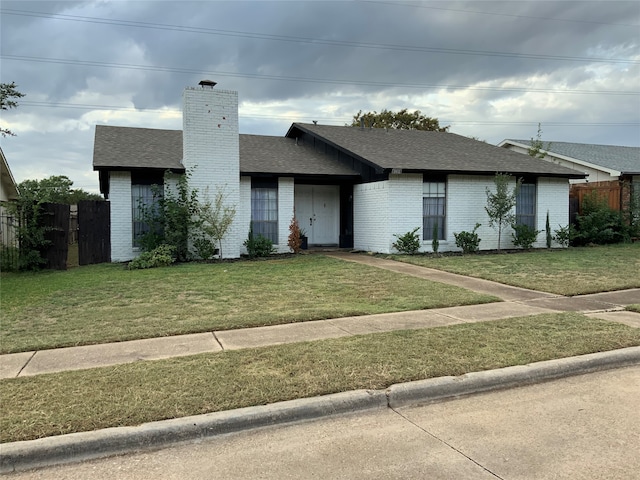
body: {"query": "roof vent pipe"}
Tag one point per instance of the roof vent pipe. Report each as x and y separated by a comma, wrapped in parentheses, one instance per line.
(361, 123)
(207, 83)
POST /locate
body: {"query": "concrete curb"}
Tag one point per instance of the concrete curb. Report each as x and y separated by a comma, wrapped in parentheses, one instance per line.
(19, 456)
(437, 389)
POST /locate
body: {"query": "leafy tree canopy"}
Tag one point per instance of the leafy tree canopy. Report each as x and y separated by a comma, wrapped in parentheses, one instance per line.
(7, 93)
(400, 120)
(54, 189)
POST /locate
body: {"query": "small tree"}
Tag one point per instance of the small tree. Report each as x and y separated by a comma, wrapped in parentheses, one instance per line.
(547, 228)
(216, 218)
(500, 204)
(172, 217)
(295, 235)
(537, 148)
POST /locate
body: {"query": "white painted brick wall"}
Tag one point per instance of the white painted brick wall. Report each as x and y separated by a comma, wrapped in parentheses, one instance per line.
(375, 225)
(405, 199)
(285, 212)
(243, 214)
(552, 195)
(121, 217)
(211, 151)
(371, 217)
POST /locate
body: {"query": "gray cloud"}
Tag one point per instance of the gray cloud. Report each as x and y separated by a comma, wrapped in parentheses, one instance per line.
(241, 43)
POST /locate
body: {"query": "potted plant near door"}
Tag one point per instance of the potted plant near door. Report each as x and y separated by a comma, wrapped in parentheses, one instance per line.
(304, 241)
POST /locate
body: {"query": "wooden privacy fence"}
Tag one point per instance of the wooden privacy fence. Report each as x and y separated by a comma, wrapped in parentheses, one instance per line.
(94, 232)
(55, 219)
(612, 192)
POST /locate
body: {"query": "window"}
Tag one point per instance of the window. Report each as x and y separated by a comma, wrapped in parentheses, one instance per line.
(145, 193)
(526, 205)
(433, 208)
(264, 208)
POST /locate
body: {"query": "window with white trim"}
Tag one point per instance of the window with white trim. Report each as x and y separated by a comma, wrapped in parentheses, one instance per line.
(434, 201)
(526, 204)
(146, 191)
(264, 208)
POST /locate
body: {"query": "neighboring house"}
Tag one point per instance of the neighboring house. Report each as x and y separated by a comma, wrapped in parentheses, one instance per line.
(600, 163)
(8, 193)
(351, 187)
(612, 172)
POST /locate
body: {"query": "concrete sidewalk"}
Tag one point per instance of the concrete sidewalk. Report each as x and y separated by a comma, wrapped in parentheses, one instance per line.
(517, 302)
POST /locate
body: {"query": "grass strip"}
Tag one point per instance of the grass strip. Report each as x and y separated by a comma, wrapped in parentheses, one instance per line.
(634, 308)
(54, 404)
(572, 271)
(107, 303)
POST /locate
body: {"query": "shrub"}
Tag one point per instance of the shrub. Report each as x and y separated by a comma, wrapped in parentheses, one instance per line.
(524, 236)
(295, 235)
(469, 242)
(598, 223)
(258, 245)
(409, 243)
(161, 256)
(205, 248)
(564, 235)
(435, 244)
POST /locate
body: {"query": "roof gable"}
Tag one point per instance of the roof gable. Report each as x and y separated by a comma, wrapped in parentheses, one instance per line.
(417, 150)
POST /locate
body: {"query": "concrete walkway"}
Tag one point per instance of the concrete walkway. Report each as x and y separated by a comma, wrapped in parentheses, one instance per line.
(516, 302)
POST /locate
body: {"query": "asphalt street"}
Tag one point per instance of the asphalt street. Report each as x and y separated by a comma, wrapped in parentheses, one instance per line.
(581, 427)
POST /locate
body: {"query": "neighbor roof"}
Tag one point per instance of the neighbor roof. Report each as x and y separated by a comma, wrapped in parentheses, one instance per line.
(418, 150)
(626, 160)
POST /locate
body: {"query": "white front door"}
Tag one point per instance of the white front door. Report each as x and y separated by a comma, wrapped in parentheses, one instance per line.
(318, 212)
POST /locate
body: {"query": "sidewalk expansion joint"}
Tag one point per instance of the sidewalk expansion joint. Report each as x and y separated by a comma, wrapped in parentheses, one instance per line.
(26, 363)
(215, 337)
(435, 437)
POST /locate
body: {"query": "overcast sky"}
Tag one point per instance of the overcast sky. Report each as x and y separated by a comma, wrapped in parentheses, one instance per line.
(490, 70)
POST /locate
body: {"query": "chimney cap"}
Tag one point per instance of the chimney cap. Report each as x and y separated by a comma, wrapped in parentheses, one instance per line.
(207, 83)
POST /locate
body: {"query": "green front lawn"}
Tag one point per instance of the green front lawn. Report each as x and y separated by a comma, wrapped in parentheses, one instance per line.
(107, 303)
(54, 404)
(572, 271)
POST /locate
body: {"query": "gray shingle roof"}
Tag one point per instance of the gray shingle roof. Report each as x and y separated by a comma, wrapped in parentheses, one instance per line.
(422, 150)
(623, 159)
(268, 154)
(126, 147)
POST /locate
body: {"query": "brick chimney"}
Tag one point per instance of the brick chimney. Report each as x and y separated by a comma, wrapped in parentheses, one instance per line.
(210, 148)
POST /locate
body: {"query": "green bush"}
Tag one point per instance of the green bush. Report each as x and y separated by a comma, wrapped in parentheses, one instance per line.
(469, 242)
(205, 248)
(598, 224)
(409, 243)
(161, 256)
(564, 235)
(258, 245)
(524, 236)
(435, 243)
